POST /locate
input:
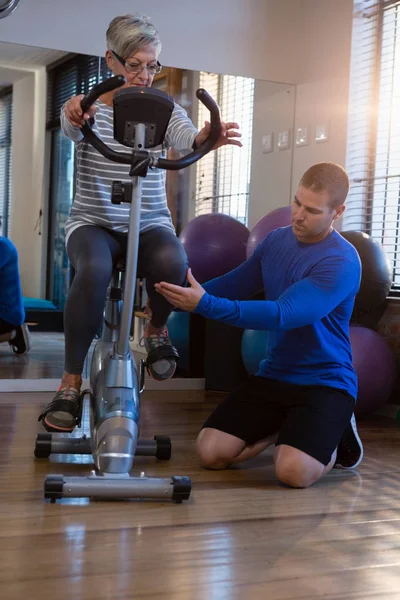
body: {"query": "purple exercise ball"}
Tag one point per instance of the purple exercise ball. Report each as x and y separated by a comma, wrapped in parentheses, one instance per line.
(280, 217)
(215, 244)
(376, 369)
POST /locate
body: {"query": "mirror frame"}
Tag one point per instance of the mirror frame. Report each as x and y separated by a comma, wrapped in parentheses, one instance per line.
(7, 7)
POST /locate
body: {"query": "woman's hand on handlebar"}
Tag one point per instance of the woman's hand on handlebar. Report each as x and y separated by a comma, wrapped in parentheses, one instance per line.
(226, 137)
(73, 111)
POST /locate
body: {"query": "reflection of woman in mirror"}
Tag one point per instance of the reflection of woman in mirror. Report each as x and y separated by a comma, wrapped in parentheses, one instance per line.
(96, 231)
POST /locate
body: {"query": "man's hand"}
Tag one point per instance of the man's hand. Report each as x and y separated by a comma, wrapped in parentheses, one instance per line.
(227, 133)
(185, 298)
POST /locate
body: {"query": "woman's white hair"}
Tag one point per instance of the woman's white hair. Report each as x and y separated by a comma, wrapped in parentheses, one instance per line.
(130, 33)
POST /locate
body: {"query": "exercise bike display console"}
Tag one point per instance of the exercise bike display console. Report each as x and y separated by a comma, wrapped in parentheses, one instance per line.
(141, 118)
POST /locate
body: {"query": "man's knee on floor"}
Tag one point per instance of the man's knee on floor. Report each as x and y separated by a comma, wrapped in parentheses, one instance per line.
(214, 450)
(296, 469)
(295, 476)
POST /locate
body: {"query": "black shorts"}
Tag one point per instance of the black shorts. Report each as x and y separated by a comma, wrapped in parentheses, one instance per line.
(5, 327)
(310, 418)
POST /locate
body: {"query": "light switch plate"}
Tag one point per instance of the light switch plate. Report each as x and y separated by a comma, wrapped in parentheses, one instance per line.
(302, 136)
(284, 140)
(322, 132)
(267, 143)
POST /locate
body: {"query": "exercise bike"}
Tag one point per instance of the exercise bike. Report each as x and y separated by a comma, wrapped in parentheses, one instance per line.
(141, 117)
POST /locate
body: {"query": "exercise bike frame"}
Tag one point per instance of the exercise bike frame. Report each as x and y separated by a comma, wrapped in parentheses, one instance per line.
(115, 382)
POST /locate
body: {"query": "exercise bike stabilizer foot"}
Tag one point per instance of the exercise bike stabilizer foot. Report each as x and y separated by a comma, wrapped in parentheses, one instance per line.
(53, 487)
(164, 448)
(43, 445)
(182, 489)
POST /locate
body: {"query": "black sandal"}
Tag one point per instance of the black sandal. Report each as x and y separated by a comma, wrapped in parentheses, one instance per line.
(69, 402)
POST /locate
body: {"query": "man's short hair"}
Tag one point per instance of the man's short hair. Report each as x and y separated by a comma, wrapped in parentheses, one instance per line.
(329, 177)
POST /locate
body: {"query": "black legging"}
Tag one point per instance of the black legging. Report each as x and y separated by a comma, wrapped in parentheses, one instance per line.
(93, 251)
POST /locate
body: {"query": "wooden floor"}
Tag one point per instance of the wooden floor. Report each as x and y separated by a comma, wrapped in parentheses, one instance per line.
(240, 536)
(45, 359)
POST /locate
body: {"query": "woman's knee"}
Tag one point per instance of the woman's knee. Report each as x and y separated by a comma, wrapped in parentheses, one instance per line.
(169, 262)
(93, 272)
(92, 252)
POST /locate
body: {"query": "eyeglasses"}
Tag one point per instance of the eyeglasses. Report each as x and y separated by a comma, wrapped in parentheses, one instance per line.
(135, 69)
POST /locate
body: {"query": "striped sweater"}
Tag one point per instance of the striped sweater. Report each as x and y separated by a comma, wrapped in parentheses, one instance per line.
(95, 174)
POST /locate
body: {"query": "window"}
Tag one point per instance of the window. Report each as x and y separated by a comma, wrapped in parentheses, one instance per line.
(75, 76)
(5, 159)
(223, 177)
(373, 151)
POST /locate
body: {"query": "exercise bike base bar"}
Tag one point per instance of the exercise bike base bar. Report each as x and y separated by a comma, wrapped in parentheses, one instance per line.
(174, 488)
(47, 444)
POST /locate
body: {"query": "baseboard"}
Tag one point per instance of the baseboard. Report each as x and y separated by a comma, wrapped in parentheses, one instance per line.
(50, 385)
(389, 410)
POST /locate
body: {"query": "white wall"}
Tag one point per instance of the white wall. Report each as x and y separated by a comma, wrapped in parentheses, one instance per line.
(40, 180)
(254, 38)
(323, 92)
(28, 136)
(323, 39)
(322, 101)
(270, 185)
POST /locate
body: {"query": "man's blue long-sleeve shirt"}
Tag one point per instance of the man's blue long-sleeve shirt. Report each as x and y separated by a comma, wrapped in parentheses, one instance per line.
(310, 291)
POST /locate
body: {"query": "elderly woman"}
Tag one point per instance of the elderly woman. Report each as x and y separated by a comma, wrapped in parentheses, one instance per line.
(96, 231)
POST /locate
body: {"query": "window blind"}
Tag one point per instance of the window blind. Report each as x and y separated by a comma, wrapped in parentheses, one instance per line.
(5, 159)
(223, 177)
(75, 76)
(373, 149)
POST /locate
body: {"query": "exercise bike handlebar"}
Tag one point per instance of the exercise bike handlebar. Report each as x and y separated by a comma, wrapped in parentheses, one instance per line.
(126, 158)
(108, 85)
